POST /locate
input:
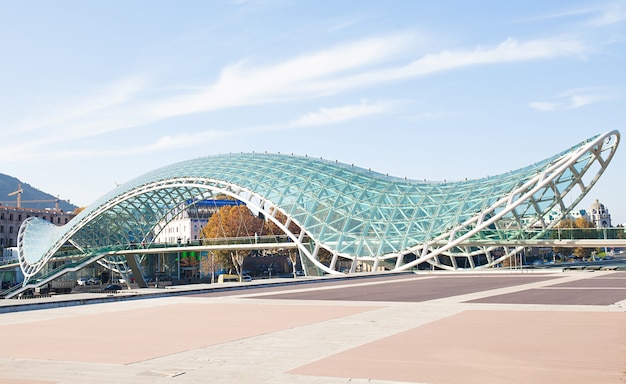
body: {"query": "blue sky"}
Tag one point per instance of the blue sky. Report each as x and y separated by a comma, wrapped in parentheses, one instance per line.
(97, 93)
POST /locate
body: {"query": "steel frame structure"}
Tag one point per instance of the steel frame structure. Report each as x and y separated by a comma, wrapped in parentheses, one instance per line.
(354, 213)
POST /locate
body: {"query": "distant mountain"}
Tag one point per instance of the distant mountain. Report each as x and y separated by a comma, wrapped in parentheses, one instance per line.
(31, 197)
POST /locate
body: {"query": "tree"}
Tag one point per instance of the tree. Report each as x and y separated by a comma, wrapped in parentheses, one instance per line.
(566, 224)
(239, 221)
(586, 230)
(237, 260)
(231, 221)
(576, 229)
(78, 210)
(324, 256)
(272, 229)
(293, 259)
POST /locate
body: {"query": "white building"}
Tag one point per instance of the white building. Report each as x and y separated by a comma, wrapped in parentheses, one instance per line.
(599, 215)
(182, 229)
(186, 225)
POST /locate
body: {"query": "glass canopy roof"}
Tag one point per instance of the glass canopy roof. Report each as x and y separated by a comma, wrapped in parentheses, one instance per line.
(350, 211)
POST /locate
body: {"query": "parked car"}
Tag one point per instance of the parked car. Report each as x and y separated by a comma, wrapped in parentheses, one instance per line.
(94, 281)
(113, 287)
(228, 278)
(82, 281)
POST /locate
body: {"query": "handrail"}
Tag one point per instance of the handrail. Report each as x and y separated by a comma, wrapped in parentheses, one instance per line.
(90, 255)
(551, 234)
(53, 274)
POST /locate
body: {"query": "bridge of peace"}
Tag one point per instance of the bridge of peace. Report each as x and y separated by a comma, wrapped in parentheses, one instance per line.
(433, 305)
(358, 216)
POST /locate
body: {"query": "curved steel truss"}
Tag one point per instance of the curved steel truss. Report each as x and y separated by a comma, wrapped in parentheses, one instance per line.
(353, 213)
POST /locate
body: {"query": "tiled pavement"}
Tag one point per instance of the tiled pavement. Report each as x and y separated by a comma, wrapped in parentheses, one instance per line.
(493, 327)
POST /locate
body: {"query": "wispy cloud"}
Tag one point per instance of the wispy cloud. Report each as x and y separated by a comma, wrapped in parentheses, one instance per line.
(508, 51)
(120, 92)
(608, 14)
(596, 15)
(321, 117)
(572, 99)
(132, 102)
(326, 116)
(343, 68)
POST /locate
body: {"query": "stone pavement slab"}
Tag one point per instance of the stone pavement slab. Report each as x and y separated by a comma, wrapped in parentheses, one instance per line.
(501, 347)
(366, 331)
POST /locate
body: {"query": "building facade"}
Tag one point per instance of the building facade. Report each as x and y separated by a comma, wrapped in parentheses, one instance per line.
(599, 215)
(185, 224)
(12, 217)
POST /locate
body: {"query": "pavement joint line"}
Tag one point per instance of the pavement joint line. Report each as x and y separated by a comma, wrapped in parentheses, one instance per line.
(263, 358)
(578, 288)
(180, 290)
(342, 286)
(7, 306)
(338, 286)
(504, 290)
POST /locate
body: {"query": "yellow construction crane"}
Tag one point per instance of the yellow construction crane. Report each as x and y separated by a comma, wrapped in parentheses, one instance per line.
(19, 195)
(20, 201)
(56, 202)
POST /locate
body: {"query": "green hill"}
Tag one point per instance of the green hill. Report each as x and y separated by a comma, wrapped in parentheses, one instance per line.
(9, 184)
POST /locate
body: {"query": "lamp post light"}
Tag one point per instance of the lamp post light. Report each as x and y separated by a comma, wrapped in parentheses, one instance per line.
(212, 268)
(179, 241)
(158, 272)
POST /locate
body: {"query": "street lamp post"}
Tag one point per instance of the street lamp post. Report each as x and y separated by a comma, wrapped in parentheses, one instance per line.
(158, 272)
(179, 241)
(212, 268)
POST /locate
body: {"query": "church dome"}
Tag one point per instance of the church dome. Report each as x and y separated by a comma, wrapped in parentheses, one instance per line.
(597, 206)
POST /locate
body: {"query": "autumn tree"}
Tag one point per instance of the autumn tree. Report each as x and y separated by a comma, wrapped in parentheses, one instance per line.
(78, 210)
(579, 228)
(293, 259)
(586, 230)
(567, 225)
(324, 256)
(232, 221)
(239, 221)
(273, 229)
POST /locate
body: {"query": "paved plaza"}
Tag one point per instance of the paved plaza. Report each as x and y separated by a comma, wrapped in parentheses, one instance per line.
(430, 327)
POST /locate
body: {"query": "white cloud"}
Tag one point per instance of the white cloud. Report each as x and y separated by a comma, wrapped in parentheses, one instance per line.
(508, 51)
(340, 114)
(131, 102)
(597, 15)
(323, 116)
(431, 115)
(573, 99)
(118, 93)
(609, 14)
(544, 106)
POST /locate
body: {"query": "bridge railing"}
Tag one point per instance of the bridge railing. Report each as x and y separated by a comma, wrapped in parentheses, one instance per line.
(551, 234)
(10, 261)
(51, 274)
(74, 255)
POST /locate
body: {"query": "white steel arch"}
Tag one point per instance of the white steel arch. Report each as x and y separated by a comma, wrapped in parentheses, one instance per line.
(353, 213)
